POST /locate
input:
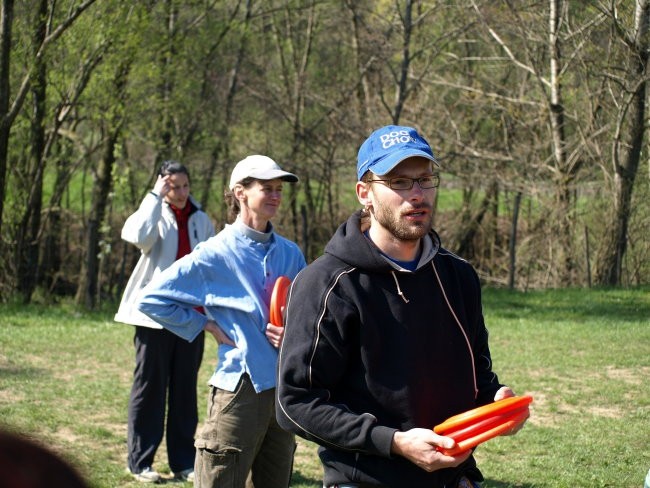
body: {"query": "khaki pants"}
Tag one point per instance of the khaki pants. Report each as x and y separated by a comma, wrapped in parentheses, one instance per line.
(241, 445)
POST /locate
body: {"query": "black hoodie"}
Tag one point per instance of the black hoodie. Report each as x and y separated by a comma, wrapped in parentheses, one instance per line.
(370, 349)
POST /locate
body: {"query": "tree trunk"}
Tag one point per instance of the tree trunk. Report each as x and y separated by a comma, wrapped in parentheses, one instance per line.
(51, 260)
(27, 248)
(472, 223)
(362, 91)
(9, 112)
(167, 85)
(51, 252)
(565, 173)
(402, 88)
(221, 150)
(6, 22)
(512, 248)
(54, 227)
(88, 290)
(626, 153)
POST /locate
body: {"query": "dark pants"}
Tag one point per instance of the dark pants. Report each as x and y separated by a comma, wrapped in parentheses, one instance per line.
(462, 483)
(165, 377)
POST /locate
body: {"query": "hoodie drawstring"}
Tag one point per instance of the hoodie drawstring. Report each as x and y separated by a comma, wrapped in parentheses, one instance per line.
(469, 346)
(399, 290)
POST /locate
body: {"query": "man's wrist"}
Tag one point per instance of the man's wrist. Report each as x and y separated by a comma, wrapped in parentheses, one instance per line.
(394, 445)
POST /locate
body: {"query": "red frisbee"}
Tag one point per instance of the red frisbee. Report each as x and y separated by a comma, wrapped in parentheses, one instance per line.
(472, 416)
(484, 425)
(278, 300)
(466, 444)
(478, 425)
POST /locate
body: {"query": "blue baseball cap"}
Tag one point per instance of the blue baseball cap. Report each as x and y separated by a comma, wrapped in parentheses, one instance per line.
(385, 148)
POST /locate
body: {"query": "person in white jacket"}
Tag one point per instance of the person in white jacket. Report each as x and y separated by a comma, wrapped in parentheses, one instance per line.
(168, 224)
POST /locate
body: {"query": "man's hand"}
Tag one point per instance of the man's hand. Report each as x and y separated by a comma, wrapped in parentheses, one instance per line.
(221, 337)
(506, 392)
(274, 334)
(419, 447)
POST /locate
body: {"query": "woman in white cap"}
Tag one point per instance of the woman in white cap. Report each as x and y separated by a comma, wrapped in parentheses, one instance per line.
(232, 276)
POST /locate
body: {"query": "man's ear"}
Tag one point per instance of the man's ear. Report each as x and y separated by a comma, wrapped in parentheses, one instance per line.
(364, 194)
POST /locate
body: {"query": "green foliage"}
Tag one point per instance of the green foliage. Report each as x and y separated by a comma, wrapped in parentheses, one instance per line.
(208, 83)
(65, 378)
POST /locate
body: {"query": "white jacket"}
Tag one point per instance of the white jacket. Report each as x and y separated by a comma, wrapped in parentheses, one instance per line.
(153, 229)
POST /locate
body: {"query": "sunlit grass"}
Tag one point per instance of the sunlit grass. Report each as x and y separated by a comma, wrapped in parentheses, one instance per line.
(583, 354)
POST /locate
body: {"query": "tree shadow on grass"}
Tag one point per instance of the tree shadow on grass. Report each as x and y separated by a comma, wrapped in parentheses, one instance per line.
(299, 479)
(11, 370)
(575, 304)
(488, 483)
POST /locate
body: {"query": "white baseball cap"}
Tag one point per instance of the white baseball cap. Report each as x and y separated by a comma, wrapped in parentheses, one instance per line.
(260, 168)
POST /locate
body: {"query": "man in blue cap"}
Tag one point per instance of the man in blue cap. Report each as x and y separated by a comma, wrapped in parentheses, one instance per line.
(384, 334)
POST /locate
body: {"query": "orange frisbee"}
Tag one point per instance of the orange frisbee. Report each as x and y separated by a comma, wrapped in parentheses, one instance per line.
(466, 444)
(475, 415)
(480, 424)
(278, 299)
(484, 425)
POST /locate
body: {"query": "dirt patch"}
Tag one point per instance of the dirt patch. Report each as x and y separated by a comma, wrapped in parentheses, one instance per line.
(628, 375)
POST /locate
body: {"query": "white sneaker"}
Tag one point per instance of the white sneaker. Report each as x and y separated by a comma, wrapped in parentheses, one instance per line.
(185, 475)
(147, 475)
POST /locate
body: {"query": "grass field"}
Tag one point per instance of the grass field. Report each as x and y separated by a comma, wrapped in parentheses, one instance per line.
(584, 355)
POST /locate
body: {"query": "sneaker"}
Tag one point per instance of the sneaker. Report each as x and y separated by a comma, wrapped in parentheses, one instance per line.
(147, 475)
(185, 475)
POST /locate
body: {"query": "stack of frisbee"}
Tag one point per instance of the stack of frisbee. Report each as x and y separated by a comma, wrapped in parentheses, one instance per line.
(478, 425)
(278, 300)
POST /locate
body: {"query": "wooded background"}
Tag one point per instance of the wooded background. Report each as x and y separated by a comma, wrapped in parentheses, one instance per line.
(536, 110)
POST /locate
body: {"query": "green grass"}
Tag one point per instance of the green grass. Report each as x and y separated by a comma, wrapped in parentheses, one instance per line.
(584, 355)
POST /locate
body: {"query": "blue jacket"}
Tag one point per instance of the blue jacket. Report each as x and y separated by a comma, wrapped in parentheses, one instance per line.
(231, 276)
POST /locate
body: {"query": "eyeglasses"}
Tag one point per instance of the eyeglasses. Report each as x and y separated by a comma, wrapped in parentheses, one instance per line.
(404, 183)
